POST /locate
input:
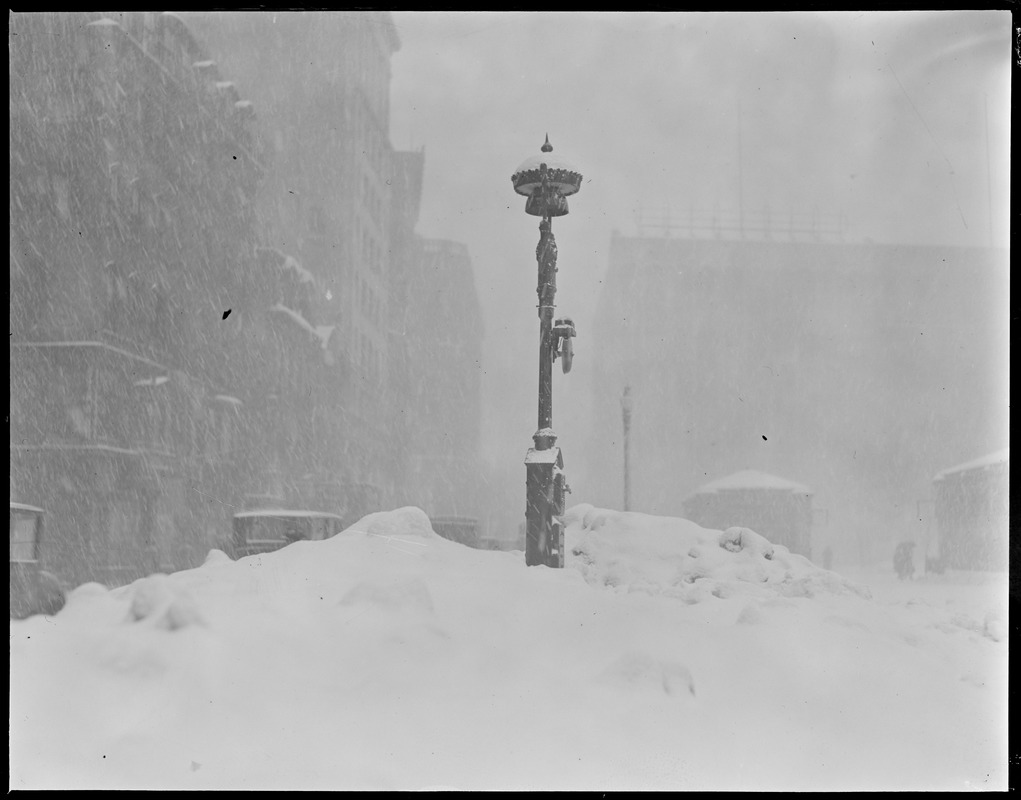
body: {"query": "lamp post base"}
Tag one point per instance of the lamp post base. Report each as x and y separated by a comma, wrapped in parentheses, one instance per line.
(544, 534)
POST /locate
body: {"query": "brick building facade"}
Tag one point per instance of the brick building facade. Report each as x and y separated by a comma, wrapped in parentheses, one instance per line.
(207, 294)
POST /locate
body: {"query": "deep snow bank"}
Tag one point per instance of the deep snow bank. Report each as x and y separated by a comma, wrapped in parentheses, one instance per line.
(665, 657)
(676, 558)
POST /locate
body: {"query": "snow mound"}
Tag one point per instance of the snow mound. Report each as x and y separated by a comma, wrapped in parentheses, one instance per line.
(637, 552)
(162, 603)
(407, 521)
(994, 626)
(404, 648)
(91, 603)
(85, 591)
(216, 557)
(737, 539)
(407, 596)
(639, 671)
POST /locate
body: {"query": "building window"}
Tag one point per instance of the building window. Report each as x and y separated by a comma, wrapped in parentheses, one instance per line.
(61, 196)
(317, 221)
(148, 31)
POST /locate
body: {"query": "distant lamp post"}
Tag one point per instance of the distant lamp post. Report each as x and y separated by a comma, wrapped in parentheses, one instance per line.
(547, 181)
(626, 404)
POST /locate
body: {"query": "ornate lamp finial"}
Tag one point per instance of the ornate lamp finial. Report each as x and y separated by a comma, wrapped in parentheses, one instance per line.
(546, 170)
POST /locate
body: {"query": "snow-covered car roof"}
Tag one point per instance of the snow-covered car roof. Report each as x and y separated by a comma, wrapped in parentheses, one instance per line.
(273, 512)
(752, 479)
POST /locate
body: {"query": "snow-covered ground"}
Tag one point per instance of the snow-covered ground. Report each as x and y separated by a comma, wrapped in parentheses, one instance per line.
(665, 656)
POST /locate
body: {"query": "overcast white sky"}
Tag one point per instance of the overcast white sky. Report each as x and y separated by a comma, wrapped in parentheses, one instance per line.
(875, 115)
(899, 121)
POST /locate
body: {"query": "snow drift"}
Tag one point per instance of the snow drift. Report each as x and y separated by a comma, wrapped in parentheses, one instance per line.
(665, 656)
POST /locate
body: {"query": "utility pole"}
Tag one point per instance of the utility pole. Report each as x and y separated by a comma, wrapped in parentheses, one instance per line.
(740, 175)
(625, 408)
(989, 179)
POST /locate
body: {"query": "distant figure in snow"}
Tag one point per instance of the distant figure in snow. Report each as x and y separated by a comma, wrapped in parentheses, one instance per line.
(904, 560)
(935, 565)
(827, 557)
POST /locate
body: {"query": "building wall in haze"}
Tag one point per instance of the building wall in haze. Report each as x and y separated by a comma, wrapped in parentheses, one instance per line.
(972, 514)
(343, 202)
(133, 178)
(857, 368)
(320, 83)
(442, 331)
(206, 315)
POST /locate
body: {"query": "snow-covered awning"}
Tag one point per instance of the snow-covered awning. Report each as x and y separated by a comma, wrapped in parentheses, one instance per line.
(23, 507)
(287, 262)
(321, 332)
(999, 457)
(303, 274)
(158, 380)
(302, 322)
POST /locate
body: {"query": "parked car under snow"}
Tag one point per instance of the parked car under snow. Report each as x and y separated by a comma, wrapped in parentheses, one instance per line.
(266, 530)
(33, 589)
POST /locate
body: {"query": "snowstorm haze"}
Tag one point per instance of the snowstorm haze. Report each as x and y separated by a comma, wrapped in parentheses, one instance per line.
(891, 126)
(881, 137)
(280, 332)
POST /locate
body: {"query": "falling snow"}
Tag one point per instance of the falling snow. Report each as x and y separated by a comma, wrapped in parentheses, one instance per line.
(273, 262)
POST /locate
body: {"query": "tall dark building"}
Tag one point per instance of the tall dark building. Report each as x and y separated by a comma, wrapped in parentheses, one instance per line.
(329, 201)
(132, 185)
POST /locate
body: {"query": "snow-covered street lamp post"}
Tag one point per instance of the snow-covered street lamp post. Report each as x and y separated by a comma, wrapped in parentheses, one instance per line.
(625, 410)
(547, 182)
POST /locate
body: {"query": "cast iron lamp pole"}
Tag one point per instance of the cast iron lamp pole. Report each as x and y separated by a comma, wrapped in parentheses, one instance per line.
(546, 182)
